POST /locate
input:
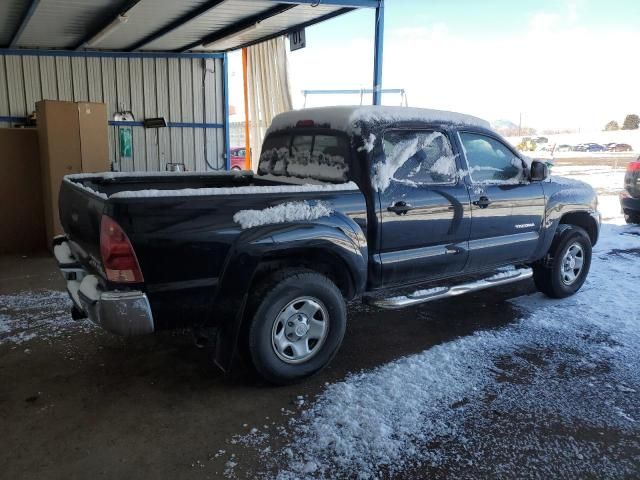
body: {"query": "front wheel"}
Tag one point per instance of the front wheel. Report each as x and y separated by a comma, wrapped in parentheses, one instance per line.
(566, 270)
(298, 326)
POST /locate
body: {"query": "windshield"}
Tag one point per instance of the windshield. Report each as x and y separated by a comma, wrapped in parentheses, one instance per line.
(305, 155)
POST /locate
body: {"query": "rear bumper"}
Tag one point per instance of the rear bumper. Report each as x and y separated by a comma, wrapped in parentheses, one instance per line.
(123, 312)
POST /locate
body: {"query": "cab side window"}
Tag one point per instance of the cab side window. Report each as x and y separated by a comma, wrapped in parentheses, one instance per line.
(416, 157)
(490, 161)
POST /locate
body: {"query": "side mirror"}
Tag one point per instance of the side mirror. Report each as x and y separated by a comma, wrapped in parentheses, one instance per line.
(539, 171)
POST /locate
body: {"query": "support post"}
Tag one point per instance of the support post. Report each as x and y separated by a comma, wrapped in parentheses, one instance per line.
(377, 54)
(225, 79)
(247, 141)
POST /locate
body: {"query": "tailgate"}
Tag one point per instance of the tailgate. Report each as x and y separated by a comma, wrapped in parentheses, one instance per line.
(80, 215)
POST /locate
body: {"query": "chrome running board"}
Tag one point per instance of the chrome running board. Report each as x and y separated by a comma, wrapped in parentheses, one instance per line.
(424, 296)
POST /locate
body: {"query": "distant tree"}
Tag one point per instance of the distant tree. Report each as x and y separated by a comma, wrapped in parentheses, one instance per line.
(631, 122)
(612, 125)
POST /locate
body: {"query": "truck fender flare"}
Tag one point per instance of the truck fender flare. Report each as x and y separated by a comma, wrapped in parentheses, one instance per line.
(554, 221)
(257, 245)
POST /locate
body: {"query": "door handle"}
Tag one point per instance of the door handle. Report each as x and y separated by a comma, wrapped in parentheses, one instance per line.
(482, 202)
(400, 208)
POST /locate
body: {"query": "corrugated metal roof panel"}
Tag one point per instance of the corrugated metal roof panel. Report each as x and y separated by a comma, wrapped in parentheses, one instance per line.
(217, 18)
(145, 18)
(290, 18)
(65, 23)
(11, 13)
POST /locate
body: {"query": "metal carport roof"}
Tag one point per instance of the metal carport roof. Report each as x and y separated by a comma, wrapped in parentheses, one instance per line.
(159, 25)
(167, 28)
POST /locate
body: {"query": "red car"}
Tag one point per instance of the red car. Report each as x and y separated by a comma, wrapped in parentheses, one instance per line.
(619, 147)
(237, 158)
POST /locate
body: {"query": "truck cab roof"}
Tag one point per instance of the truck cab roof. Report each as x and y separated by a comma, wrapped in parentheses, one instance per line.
(350, 119)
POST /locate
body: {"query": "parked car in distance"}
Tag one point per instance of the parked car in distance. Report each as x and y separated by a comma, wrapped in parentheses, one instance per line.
(564, 148)
(589, 147)
(393, 206)
(238, 158)
(630, 196)
(619, 147)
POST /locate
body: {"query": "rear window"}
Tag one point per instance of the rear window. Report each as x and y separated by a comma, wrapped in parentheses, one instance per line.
(320, 157)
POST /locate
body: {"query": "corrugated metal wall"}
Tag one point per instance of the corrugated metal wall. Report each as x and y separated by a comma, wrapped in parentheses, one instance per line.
(180, 89)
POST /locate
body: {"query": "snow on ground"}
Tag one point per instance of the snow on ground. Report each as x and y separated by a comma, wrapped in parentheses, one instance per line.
(554, 394)
(40, 315)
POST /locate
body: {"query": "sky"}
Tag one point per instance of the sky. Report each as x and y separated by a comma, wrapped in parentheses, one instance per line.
(558, 63)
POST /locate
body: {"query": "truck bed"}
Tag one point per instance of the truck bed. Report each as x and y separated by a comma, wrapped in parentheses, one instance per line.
(108, 184)
(181, 225)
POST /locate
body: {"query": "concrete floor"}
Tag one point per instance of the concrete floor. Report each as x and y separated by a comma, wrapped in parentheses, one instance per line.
(88, 402)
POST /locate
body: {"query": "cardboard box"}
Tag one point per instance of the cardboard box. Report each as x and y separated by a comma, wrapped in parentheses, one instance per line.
(21, 206)
(94, 149)
(73, 139)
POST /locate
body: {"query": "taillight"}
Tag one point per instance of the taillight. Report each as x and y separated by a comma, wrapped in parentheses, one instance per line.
(305, 123)
(118, 258)
(633, 166)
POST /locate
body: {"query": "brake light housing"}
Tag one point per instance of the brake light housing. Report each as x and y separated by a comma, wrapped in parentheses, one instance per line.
(633, 166)
(305, 123)
(118, 257)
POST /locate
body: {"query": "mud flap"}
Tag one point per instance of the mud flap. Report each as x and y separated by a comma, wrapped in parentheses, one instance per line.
(227, 338)
(231, 301)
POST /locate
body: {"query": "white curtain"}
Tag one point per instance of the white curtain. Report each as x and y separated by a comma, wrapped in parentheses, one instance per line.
(269, 92)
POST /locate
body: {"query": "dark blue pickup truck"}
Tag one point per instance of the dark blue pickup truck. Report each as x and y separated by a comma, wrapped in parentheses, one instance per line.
(396, 206)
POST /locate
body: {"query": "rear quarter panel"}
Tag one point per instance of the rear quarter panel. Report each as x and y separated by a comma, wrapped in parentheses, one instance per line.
(183, 243)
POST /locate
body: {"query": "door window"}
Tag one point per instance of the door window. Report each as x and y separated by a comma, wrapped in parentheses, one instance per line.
(490, 161)
(414, 158)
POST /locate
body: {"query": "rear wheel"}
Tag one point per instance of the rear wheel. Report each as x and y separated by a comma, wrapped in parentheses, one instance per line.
(566, 269)
(297, 327)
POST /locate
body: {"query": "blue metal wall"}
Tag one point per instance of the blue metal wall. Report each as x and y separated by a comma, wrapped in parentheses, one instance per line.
(188, 90)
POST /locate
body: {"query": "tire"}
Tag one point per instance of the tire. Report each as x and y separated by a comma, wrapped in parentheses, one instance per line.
(282, 305)
(631, 218)
(558, 278)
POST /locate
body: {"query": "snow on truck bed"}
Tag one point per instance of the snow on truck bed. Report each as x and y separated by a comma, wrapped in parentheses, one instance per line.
(347, 118)
(297, 187)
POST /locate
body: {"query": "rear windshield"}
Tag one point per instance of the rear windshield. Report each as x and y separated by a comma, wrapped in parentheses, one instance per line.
(314, 156)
